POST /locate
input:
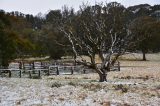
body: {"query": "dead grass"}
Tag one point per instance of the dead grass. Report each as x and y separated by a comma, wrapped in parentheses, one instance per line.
(138, 83)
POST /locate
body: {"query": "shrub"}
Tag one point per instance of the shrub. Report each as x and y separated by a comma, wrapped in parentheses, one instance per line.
(56, 84)
(72, 83)
(36, 77)
(121, 87)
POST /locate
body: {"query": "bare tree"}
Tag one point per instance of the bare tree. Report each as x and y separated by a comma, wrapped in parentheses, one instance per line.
(98, 30)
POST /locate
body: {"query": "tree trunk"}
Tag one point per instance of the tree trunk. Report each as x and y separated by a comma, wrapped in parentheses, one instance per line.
(75, 60)
(102, 76)
(144, 56)
(114, 60)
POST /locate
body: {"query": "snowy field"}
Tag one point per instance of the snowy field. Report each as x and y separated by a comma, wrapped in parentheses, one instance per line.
(137, 84)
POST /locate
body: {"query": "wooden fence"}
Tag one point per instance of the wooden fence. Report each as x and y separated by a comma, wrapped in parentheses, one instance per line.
(49, 69)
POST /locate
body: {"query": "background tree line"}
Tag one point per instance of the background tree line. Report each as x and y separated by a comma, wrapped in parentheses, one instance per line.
(25, 35)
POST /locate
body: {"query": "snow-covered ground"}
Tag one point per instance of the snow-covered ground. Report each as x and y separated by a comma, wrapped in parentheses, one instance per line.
(78, 91)
(137, 84)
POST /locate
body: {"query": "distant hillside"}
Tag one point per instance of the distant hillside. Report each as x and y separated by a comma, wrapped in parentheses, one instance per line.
(145, 10)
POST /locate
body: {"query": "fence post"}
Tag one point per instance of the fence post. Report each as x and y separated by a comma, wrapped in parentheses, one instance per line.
(57, 70)
(0, 72)
(39, 73)
(119, 66)
(20, 73)
(71, 70)
(30, 74)
(9, 71)
(48, 71)
(84, 71)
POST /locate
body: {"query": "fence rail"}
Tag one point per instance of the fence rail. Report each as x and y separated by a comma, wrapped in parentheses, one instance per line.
(39, 68)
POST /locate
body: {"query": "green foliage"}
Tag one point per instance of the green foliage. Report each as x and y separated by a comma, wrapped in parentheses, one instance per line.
(148, 28)
(27, 35)
(7, 42)
(54, 41)
(7, 47)
(11, 45)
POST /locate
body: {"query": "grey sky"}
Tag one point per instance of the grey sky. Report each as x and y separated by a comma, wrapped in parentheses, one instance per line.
(36, 6)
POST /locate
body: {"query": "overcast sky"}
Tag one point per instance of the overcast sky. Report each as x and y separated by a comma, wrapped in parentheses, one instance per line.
(36, 6)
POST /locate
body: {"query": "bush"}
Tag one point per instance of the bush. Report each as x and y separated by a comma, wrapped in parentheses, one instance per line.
(56, 84)
(36, 77)
(121, 87)
(72, 83)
